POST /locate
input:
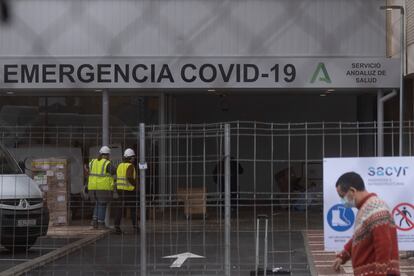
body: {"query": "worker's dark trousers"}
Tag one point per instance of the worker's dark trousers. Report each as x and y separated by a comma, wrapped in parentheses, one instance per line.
(127, 199)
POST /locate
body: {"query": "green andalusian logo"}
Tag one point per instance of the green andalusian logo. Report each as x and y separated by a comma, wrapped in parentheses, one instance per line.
(321, 74)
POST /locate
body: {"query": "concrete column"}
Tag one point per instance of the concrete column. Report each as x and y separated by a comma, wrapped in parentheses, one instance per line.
(105, 118)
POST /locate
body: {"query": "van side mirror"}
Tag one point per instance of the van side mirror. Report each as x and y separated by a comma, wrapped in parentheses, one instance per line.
(22, 165)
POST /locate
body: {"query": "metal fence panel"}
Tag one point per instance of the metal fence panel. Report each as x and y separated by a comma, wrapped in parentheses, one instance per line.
(272, 169)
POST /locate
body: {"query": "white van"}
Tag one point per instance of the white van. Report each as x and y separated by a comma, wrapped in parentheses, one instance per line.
(23, 218)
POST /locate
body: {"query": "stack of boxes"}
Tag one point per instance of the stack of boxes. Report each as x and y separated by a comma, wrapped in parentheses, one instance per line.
(52, 176)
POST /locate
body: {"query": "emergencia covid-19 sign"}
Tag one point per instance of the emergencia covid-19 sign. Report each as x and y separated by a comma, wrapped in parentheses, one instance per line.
(199, 72)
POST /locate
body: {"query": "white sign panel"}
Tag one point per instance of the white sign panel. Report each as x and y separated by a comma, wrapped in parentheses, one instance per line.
(391, 178)
(198, 72)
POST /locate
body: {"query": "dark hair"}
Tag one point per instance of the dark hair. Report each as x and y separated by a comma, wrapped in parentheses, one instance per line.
(350, 179)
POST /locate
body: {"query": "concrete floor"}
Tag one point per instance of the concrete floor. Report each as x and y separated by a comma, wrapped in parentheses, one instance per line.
(42, 246)
(170, 233)
(120, 255)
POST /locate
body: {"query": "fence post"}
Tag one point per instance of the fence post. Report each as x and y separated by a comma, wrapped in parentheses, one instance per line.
(161, 155)
(227, 209)
(142, 168)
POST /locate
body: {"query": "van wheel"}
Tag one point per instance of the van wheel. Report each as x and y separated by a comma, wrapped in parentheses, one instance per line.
(18, 244)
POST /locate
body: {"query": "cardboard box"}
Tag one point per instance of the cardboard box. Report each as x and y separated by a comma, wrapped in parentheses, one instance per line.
(194, 200)
(58, 218)
(52, 176)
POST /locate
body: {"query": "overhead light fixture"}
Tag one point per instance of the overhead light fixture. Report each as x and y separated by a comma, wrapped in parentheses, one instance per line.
(98, 90)
(392, 7)
(10, 93)
(323, 95)
(211, 90)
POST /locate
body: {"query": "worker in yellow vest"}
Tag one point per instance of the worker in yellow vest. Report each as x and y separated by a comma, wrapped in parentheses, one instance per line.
(101, 185)
(126, 183)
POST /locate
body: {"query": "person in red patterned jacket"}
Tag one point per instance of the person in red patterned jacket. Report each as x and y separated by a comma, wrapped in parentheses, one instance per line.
(373, 247)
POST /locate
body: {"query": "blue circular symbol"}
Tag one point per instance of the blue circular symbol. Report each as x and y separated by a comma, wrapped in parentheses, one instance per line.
(340, 218)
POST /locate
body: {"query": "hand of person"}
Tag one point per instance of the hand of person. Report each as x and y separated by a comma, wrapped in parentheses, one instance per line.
(337, 264)
(115, 195)
(85, 192)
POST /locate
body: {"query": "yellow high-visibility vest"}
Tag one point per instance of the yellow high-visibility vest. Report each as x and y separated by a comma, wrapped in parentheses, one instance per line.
(98, 178)
(122, 182)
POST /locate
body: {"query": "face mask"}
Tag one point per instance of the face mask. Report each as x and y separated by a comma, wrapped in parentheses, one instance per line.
(348, 203)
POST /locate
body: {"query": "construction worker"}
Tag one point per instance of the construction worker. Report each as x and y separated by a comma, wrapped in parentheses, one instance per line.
(126, 179)
(101, 185)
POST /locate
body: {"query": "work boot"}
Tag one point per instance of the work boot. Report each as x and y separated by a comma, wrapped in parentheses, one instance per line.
(94, 224)
(117, 230)
(102, 226)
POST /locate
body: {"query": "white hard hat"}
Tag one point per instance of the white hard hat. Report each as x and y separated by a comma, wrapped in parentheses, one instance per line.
(129, 153)
(105, 150)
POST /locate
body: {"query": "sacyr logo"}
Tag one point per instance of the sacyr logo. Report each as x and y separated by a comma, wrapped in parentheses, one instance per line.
(321, 74)
(387, 171)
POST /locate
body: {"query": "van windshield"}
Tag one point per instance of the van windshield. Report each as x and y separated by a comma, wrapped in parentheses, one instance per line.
(7, 164)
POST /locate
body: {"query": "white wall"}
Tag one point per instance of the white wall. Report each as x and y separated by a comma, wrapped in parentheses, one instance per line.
(194, 28)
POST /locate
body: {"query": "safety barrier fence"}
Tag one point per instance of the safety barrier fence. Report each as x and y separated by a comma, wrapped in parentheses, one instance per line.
(201, 189)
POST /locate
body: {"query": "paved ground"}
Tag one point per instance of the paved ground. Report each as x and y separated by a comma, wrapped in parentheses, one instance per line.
(43, 245)
(120, 255)
(321, 261)
(57, 241)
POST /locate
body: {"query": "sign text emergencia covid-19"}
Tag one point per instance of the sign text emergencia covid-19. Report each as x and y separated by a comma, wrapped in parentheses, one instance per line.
(203, 72)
